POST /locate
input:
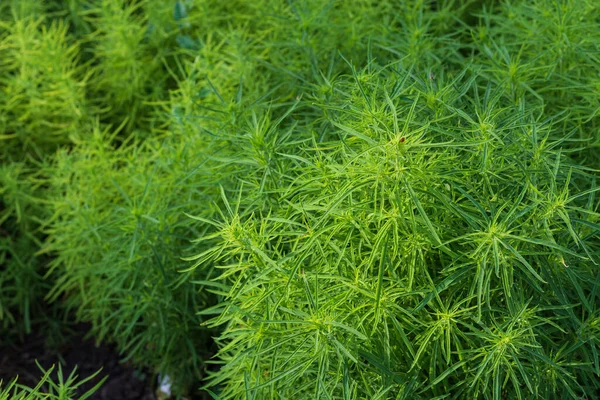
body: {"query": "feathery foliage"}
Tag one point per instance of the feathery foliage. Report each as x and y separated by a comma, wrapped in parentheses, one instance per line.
(343, 200)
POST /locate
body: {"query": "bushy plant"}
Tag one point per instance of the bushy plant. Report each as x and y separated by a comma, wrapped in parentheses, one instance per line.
(42, 102)
(22, 210)
(421, 247)
(359, 201)
(21, 283)
(43, 96)
(58, 60)
(547, 52)
(128, 51)
(116, 237)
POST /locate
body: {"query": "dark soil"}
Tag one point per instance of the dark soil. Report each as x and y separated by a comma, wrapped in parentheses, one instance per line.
(124, 382)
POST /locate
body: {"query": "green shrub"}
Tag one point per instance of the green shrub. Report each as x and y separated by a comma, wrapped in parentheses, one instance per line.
(43, 96)
(547, 52)
(116, 237)
(22, 211)
(391, 200)
(49, 100)
(424, 247)
(21, 284)
(128, 57)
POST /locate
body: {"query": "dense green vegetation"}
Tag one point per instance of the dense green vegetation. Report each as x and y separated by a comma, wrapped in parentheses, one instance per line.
(308, 199)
